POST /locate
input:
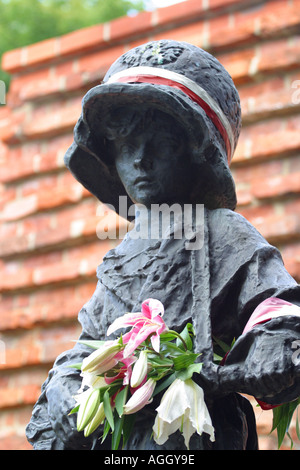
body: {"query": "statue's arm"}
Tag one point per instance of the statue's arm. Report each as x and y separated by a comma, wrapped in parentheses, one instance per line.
(246, 271)
(264, 362)
(51, 427)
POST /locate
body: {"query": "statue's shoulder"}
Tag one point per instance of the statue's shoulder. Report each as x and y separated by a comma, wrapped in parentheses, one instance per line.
(227, 225)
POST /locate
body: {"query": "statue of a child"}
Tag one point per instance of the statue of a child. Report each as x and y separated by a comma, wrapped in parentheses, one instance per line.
(162, 129)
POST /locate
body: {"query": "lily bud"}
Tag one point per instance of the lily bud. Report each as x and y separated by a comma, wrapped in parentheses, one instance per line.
(140, 370)
(141, 397)
(96, 421)
(102, 359)
(87, 409)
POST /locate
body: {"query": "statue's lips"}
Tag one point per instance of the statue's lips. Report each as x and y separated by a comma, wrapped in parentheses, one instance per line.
(142, 180)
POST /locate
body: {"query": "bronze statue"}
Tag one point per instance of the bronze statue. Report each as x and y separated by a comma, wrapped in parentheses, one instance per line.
(162, 129)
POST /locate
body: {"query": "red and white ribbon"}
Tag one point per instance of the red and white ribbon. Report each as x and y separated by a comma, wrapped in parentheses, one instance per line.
(159, 76)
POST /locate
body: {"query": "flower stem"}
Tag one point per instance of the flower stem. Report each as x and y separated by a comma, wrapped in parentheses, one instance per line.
(180, 337)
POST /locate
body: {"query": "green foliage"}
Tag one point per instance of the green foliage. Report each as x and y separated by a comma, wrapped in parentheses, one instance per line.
(25, 22)
(282, 417)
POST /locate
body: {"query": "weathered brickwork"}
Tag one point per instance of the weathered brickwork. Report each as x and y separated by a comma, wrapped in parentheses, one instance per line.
(49, 249)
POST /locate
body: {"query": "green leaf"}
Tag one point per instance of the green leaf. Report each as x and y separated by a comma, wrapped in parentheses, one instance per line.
(170, 349)
(94, 344)
(224, 347)
(117, 433)
(105, 430)
(75, 410)
(297, 426)
(184, 361)
(282, 416)
(167, 336)
(217, 358)
(164, 384)
(120, 400)
(186, 335)
(76, 366)
(186, 374)
(128, 425)
(108, 410)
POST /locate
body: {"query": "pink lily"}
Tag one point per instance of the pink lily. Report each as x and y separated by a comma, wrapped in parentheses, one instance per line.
(145, 323)
(123, 372)
(141, 397)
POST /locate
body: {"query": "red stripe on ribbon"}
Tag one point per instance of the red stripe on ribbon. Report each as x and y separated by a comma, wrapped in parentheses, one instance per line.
(155, 80)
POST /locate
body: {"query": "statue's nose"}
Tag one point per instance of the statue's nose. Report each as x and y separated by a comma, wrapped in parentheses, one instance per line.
(142, 159)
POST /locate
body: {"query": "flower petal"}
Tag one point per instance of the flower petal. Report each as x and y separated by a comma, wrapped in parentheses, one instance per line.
(138, 339)
(152, 308)
(182, 407)
(129, 319)
(141, 397)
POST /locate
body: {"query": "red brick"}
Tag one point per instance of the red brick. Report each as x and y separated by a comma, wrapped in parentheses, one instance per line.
(41, 346)
(44, 194)
(12, 60)
(99, 61)
(44, 230)
(81, 40)
(14, 442)
(238, 64)
(192, 33)
(291, 257)
(46, 122)
(257, 215)
(14, 277)
(20, 162)
(229, 30)
(244, 196)
(264, 140)
(286, 51)
(51, 156)
(213, 5)
(277, 186)
(170, 15)
(6, 195)
(265, 99)
(41, 52)
(10, 132)
(266, 169)
(44, 306)
(280, 228)
(278, 17)
(130, 26)
(20, 208)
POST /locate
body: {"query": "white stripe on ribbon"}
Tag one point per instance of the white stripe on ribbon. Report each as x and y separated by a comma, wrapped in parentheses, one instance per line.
(185, 81)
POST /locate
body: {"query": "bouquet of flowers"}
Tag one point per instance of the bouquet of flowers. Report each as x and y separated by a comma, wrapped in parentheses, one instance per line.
(121, 376)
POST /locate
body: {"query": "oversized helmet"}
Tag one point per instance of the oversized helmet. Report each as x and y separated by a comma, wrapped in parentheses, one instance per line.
(175, 78)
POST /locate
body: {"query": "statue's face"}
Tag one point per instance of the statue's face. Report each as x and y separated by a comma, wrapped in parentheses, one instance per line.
(152, 161)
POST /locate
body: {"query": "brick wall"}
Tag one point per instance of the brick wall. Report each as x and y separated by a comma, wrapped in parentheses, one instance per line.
(48, 245)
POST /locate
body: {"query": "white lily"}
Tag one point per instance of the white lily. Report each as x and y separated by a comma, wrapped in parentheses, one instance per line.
(88, 408)
(102, 359)
(98, 419)
(140, 370)
(182, 407)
